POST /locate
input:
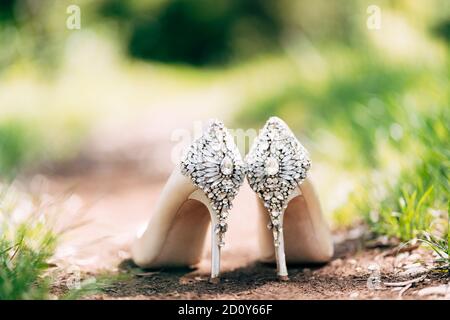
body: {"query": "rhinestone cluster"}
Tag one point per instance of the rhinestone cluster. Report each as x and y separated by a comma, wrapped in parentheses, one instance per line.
(214, 165)
(277, 163)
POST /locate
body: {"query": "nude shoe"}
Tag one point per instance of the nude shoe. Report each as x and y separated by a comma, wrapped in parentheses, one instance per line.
(199, 191)
(277, 167)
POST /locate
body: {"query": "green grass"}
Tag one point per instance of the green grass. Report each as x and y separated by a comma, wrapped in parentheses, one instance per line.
(418, 200)
(406, 219)
(27, 242)
(25, 247)
(23, 265)
(441, 248)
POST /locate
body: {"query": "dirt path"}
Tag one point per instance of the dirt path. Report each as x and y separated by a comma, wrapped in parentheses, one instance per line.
(116, 203)
(341, 279)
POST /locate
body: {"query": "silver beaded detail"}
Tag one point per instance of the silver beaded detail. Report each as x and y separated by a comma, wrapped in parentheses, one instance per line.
(277, 163)
(214, 165)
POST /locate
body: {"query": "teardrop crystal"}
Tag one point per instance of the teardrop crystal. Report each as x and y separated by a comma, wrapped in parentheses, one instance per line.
(226, 167)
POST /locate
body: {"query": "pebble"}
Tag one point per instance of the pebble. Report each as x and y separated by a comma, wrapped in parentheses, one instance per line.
(336, 263)
(373, 267)
(441, 290)
(414, 257)
(184, 281)
(402, 256)
(307, 271)
(412, 266)
(414, 271)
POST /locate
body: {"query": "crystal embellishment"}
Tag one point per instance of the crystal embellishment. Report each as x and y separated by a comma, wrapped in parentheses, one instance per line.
(214, 165)
(271, 166)
(226, 167)
(277, 164)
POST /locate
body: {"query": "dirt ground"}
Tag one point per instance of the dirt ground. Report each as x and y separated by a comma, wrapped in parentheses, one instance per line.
(337, 280)
(114, 206)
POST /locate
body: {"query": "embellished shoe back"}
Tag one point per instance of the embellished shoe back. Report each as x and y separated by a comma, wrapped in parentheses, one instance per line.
(277, 164)
(215, 166)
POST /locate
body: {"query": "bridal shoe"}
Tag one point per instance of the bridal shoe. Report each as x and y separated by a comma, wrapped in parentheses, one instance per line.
(277, 167)
(199, 191)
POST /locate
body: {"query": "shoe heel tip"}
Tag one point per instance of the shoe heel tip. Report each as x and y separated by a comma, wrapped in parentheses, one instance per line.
(214, 280)
(283, 278)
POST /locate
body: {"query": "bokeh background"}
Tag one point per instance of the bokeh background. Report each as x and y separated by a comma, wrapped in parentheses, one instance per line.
(371, 105)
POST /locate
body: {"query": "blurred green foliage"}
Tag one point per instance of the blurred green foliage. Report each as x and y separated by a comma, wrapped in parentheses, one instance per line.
(356, 104)
(195, 32)
(27, 143)
(443, 30)
(15, 147)
(7, 10)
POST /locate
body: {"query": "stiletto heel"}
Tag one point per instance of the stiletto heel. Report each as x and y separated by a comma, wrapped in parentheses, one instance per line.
(211, 174)
(216, 238)
(278, 240)
(277, 167)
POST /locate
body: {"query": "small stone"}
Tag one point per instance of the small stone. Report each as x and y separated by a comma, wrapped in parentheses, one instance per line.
(437, 290)
(414, 257)
(337, 263)
(373, 267)
(413, 271)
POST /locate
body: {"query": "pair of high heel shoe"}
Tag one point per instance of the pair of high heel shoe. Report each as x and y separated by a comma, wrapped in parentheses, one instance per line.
(211, 173)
